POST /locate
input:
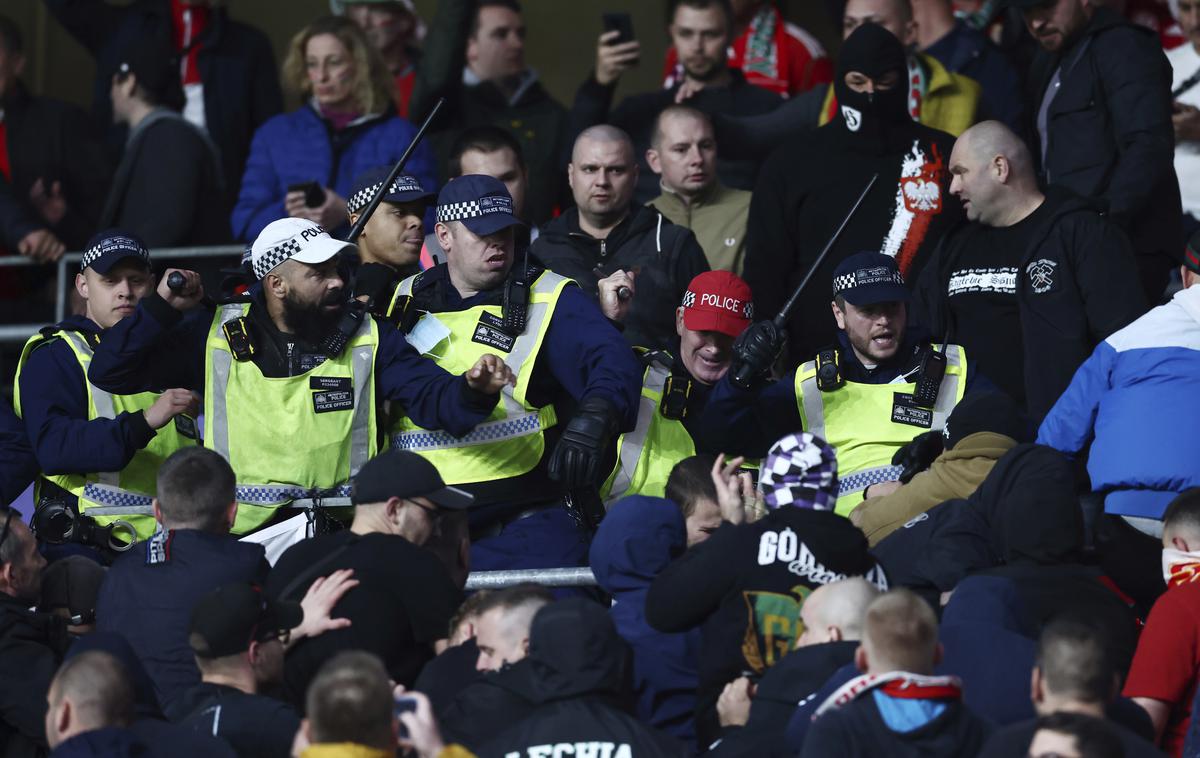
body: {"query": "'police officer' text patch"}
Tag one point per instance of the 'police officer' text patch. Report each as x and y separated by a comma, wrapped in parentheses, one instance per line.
(332, 400)
(906, 411)
(490, 331)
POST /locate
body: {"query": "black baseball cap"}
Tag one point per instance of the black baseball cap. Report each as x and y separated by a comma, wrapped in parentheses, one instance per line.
(404, 474)
(405, 189)
(107, 248)
(868, 278)
(156, 67)
(226, 620)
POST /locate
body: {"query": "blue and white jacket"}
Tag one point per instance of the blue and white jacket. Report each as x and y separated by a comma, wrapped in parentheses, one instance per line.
(1134, 399)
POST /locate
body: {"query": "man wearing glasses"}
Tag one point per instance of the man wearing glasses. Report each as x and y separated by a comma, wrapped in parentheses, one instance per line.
(31, 643)
(405, 598)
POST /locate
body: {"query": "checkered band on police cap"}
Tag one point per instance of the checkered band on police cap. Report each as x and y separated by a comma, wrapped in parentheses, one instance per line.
(866, 276)
(484, 206)
(362, 198)
(275, 256)
(127, 245)
(801, 471)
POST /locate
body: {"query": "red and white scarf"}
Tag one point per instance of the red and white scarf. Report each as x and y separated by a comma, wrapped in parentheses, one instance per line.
(897, 684)
(1180, 567)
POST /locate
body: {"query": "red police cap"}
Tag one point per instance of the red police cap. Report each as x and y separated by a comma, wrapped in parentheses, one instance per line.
(718, 301)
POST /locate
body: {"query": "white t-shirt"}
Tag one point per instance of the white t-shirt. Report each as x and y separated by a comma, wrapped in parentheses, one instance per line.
(1185, 61)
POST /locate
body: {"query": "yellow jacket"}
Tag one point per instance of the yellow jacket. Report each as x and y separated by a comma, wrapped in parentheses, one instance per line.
(951, 101)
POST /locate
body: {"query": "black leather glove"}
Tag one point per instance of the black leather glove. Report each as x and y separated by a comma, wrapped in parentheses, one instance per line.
(577, 457)
(918, 455)
(753, 353)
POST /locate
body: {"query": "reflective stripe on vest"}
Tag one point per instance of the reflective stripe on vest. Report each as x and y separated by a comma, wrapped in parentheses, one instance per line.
(857, 420)
(646, 455)
(329, 448)
(108, 496)
(511, 441)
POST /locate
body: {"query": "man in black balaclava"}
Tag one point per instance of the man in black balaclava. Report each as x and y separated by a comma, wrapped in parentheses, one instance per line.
(807, 187)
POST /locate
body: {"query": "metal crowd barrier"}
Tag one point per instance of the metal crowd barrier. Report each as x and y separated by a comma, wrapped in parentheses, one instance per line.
(550, 577)
(21, 332)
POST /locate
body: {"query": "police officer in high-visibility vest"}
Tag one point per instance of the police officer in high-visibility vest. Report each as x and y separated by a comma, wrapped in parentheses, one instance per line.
(294, 378)
(99, 451)
(882, 385)
(716, 308)
(541, 451)
(389, 247)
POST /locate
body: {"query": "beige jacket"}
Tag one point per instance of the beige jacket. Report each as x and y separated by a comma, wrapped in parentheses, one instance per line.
(718, 219)
(954, 474)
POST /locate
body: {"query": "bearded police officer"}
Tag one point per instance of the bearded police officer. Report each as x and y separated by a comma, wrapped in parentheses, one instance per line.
(883, 384)
(99, 451)
(576, 382)
(716, 308)
(293, 378)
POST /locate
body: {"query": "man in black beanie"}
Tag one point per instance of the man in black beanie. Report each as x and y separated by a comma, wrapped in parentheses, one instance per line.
(807, 187)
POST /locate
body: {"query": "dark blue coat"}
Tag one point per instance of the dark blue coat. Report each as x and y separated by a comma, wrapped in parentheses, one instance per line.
(637, 540)
(18, 467)
(150, 605)
(298, 147)
(54, 406)
(108, 742)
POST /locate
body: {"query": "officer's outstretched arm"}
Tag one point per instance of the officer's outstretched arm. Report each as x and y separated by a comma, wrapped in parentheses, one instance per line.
(431, 396)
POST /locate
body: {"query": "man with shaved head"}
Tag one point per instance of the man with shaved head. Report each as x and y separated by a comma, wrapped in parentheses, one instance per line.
(897, 707)
(607, 237)
(1034, 280)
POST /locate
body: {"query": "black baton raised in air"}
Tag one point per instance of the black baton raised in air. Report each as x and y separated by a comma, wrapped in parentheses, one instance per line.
(356, 230)
(743, 375)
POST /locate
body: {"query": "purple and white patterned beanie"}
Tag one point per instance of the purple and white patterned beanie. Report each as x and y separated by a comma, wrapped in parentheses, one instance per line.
(801, 471)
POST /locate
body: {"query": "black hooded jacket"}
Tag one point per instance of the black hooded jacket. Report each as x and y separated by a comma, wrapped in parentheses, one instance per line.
(1023, 530)
(806, 188)
(574, 678)
(742, 581)
(1086, 288)
(1109, 129)
(793, 681)
(666, 258)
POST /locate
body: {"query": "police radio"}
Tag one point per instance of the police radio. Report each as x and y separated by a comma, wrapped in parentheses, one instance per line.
(829, 371)
(514, 308)
(335, 342)
(929, 381)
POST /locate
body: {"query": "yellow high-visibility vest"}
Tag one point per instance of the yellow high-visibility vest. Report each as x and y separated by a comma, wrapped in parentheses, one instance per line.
(288, 437)
(108, 496)
(867, 423)
(511, 441)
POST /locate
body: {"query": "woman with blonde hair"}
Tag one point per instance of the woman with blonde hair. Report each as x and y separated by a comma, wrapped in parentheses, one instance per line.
(346, 125)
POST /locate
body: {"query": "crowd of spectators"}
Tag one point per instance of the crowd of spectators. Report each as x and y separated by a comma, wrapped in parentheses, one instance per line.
(856, 394)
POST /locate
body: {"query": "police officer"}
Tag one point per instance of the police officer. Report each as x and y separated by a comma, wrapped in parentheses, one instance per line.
(99, 451)
(389, 247)
(883, 384)
(292, 379)
(576, 382)
(716, 308)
